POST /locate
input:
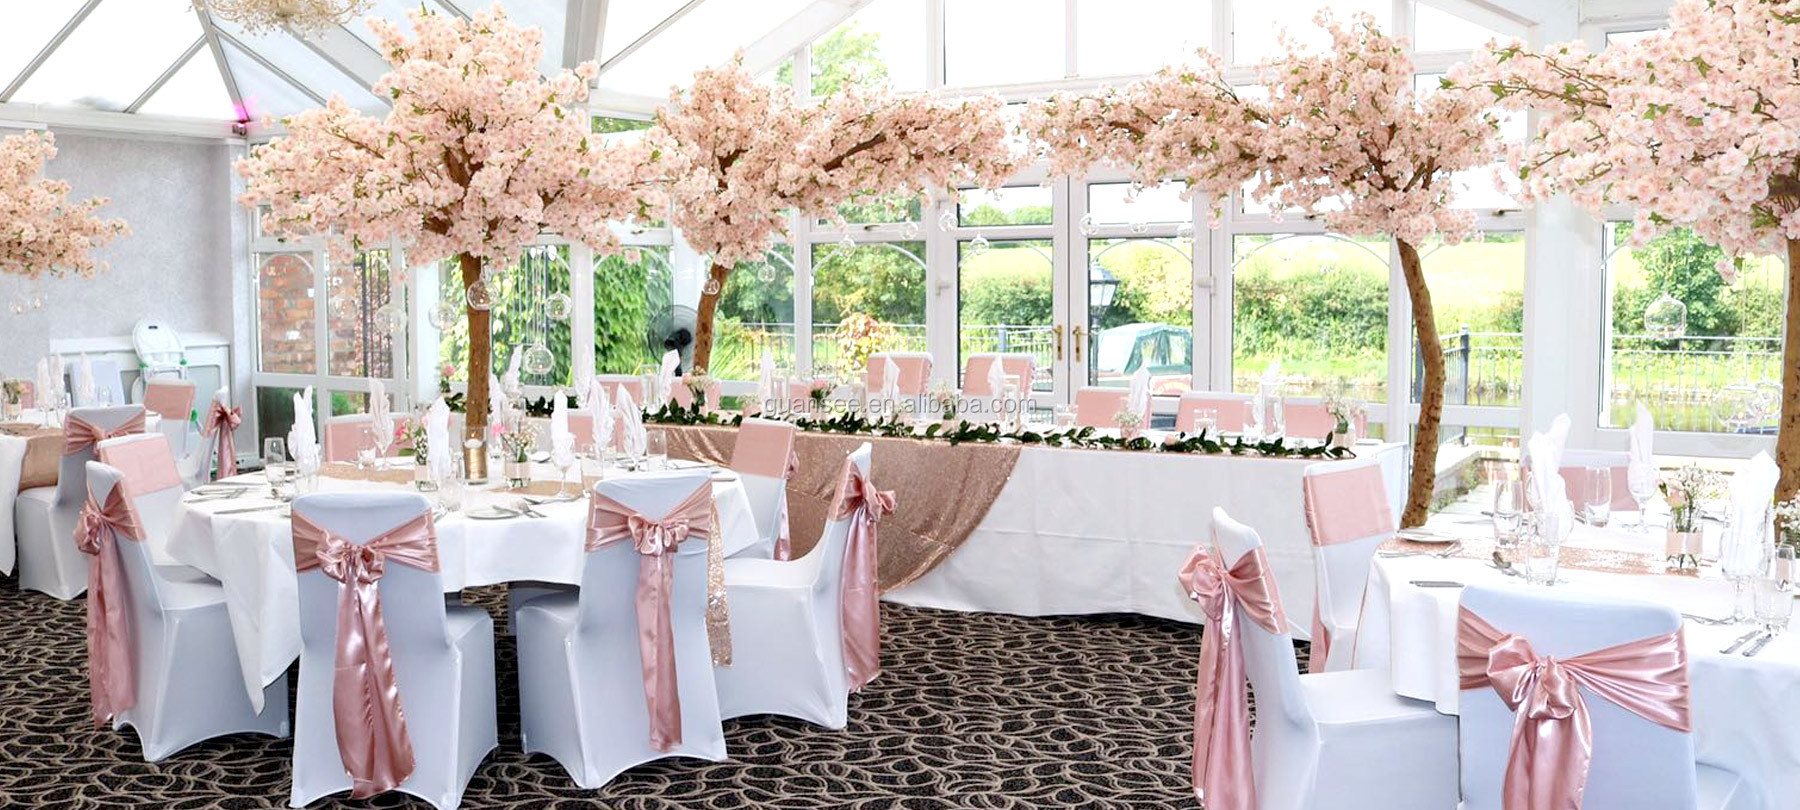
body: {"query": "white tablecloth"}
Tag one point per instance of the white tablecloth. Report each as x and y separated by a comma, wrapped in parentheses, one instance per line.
(252, 556)
(1098, 531)
(12, 461)
(1746, 711)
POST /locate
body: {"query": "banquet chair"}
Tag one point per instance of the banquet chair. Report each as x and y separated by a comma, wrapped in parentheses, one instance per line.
(915, 372)
(173, 400)
(1233, 411)
(45, 516)
(1097, 407)
(344, 435)
(1635, 763)
(1013, 364)
(581, 681)
(1348, 518)
(107, 383)
(1306, 418)
(154, 483)
(196, 466)
(787, 650)
(443, 659)
(183, 656)
(684, 396)
(761, 458)
(1335, 739)
(1575, 462)
(630, 382)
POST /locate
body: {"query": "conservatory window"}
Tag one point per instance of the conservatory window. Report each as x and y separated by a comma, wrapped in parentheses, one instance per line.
(361, 322)
(1011, 205)
(526, 297)
(1120, 204)
(755, 315)
(866, 298)
(1112, 39)
(1478, 296)
(1318, 304)
(1719, 374)
(988, 42)
(1437, 30)
(1005, 297)
(135, 40)
(883, 43)
(1254, 25)
(1147, 321)
(285, 314)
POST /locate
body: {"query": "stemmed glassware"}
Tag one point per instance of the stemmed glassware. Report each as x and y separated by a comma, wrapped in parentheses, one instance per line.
(1641, 480)
(563, 456)
(1598, 509)
(275, 464)
(1509, 509)
(1743, 556)
(383, 440)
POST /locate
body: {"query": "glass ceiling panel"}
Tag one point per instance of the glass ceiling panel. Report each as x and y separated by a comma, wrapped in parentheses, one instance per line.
(708, 35)
(293, 57)
(625, 22)
(548, 15)
(29, 26)
(265, 94)
(114, 55)
(1113, 37)
(395, 10)
(195, 91)
(884, 42)
(1438, 30)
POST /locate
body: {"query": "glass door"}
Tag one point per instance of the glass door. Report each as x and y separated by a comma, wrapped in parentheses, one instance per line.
(1009, 296)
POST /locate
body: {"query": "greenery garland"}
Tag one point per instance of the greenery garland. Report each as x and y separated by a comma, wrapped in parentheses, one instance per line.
(965, 431)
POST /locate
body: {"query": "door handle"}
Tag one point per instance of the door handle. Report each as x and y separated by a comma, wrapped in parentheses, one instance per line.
(1056, 331)
(1075, 338)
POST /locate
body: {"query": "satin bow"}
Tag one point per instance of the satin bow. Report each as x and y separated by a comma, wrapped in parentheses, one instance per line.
(1223, 776)
(859, 607)
(784, 547)
(112, 678)
(79, 434)
(654, 539)
(223, 421)
(372, 739)
(1553, 735)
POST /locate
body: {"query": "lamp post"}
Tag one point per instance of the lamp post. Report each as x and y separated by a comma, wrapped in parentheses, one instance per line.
(1102, 284)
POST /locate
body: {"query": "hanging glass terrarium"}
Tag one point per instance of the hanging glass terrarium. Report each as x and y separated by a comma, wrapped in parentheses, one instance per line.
(1666, 318)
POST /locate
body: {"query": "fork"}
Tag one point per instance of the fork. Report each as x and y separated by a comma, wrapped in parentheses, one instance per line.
(1760, 644)
(1698, 619)
(1741, 641)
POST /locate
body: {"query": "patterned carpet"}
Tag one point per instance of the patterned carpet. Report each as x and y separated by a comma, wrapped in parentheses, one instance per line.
(971, 711)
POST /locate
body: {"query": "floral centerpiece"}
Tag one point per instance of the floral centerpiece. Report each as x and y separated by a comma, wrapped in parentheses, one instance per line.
(1130, 422)
(12, 399)
(445, 372)
(1683, 491)
(1345, 413)
(516, 442)
(945, 396)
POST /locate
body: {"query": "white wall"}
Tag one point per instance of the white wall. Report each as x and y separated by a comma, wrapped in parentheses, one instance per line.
(178, 265)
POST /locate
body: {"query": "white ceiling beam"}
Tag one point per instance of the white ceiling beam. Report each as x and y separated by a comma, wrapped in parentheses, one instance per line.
(347, 52)
(806, 25)
(583, 26)
(75, 118)
(651, 34)
(1527, 13)
(49, 48)
(1485, 14)
(1602, 11)
(168, 74)
(218, 55)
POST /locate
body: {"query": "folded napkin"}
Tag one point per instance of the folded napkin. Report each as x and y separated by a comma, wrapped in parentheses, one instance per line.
(380, 417)
(562, 442)
(665, 379)
(499, 407)
(437, 439)
(765, 382)
(1138, 399)
(84, 391)
(512, 373)
(46, 385)
(1556, 514)
(631, 422)
(602, 421)
(996, 379)
(303, 438)
(890, 380)
(1752, 492)
(59, 375)
(1642, 464)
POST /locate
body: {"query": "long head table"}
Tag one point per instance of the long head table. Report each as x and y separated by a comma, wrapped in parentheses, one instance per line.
(1037, 531)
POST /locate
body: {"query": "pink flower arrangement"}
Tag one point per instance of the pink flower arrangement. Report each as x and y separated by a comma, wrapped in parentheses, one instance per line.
(41, 232)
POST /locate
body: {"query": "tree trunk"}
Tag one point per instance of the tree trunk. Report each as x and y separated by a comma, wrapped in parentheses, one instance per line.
(1431, 399)
(1787, 442)
(703, 325)
(481, 355)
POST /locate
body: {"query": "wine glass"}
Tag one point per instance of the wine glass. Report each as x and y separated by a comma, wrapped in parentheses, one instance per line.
(275, 464)
(1598, 508)
(1509, 509)
(1640, 479)
(1743, 554)
(563, 456)
(383, 440)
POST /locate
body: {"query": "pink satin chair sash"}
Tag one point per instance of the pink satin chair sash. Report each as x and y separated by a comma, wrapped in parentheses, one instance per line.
(1341, 506)
(365, 699)
(1223, 775)
(1553, 736)
(112, 677)
(170, 399)
(654, 539)
(220, 423)
(146, 465)
(79, 434)
(859, 607)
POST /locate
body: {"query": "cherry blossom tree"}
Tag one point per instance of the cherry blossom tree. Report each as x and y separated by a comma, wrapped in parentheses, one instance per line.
(1340, 134)
(41, 232)
(1696, 127)
(741, 156)
(478, 155)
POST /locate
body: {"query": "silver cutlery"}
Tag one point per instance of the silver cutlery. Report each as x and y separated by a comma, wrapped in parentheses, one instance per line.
(251, 509)
(1449, 551)
(1759, 645)
(1698, 619)
(525, 509)
(1741, 641)
(1505, 567)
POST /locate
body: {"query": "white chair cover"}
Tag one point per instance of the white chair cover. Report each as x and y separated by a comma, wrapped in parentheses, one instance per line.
(787, 650)
(106, 381)
(443, 661)
(45, 516)
(186, 664)
(1337, 739)
(760, 457)
(581, 681)
(1636, 763)
(154, 483)
(1348, 516)
(197, 465)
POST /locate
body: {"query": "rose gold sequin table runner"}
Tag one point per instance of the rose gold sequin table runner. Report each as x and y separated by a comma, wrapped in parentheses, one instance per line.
(943, 491)
(43, 453)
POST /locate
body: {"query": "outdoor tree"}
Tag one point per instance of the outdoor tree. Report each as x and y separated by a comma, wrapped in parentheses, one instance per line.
(42, 233)
(1696, 127)
(1340, 134)
(479, 154)
(741, 155)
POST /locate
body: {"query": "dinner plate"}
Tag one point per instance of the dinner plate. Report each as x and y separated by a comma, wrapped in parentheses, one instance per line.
(1423, 536)
(489, 513)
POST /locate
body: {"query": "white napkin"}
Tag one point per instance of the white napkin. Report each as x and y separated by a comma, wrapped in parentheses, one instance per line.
(1752, 490)
(765, 382)
(890, 380)
(1550, 492)
(58, 375)
(303, 438)
(437, 439)
(46, 386)
(1138, 400)
(996, 379)
(562, 442)
(602, 411)
(499, 407)
(84, 390)
(1642, 465)
(381, 418)
(512, 373)
(665, 379)
(631, 421)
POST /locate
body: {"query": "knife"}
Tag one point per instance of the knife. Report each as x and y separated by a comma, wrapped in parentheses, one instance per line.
(1760, 643)
(250, 509)
(1742, 640)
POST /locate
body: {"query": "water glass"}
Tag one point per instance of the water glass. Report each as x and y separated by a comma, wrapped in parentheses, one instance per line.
(1206, 420)
(656, 444)
(1773, 595)
(1543, 550)
(1743, 557)
(1063, 415)
(450, 490)
(275, 464)
(1598, 509)
(1509, 507)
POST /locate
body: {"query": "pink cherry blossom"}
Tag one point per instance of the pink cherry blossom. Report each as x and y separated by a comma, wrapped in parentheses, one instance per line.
(42, 233)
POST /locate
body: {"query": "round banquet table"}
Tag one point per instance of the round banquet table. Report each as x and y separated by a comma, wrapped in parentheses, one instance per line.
(1746, 711)
(251, 553)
